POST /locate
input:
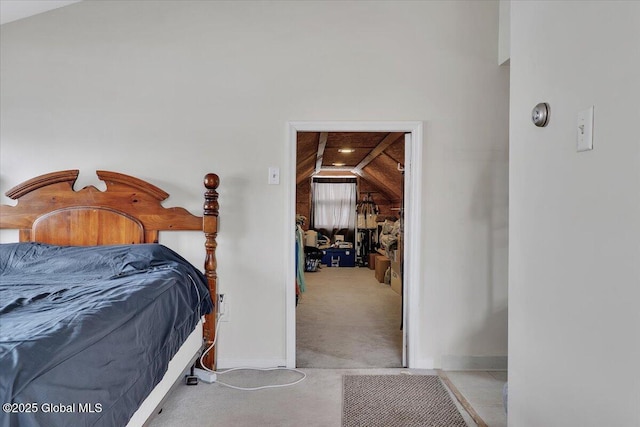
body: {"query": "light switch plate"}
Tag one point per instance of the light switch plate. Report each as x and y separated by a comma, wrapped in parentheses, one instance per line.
(274, 176)
(585, 130)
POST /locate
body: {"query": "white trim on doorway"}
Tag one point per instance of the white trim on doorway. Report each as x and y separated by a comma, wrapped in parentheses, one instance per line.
(413, 206)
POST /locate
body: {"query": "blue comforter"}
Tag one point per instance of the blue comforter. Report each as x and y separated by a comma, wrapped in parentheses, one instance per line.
(87, 332)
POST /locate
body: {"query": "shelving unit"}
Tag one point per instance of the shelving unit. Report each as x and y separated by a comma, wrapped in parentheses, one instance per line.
(367, 214)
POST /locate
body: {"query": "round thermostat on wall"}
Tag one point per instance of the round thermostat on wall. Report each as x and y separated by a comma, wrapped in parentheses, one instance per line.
(540, 114)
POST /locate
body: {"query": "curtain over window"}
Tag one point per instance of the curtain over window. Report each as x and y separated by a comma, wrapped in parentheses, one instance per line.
(334, 205)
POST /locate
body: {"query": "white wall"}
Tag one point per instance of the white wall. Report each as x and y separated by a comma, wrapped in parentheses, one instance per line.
(574, 252)
(504, 31)
(168, 91)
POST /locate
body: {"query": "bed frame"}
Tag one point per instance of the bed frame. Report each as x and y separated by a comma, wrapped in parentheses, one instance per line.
(128, 212)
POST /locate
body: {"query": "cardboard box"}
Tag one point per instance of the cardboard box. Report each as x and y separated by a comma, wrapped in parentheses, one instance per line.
(395, 265)
(372, 261)
(396, 281)
(382, 263)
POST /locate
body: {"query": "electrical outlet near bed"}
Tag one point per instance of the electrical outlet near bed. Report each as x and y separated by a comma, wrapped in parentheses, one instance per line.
(223, 308)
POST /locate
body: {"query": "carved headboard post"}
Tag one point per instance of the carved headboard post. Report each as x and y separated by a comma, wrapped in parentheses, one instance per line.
(210, 228)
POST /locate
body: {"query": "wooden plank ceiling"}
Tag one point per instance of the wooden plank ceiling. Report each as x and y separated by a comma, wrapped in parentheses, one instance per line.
(374, 159)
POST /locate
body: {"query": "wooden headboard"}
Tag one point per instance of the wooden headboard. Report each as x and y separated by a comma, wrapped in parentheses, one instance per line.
(129, 211)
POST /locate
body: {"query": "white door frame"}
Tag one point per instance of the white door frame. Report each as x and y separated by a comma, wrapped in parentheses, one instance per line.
(413, 207)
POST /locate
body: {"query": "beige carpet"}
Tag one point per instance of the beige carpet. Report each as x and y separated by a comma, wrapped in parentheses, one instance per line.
(315, 402)
(346, 319)
(398, 401)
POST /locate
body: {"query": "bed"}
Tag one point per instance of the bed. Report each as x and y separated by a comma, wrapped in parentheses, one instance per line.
(97, 320)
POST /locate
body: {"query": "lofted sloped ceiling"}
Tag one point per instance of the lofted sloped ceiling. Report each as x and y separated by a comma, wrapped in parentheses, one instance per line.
(374, 160)
(12, 10)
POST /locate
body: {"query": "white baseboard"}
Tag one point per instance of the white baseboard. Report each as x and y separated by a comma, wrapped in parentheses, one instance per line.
(474, 363)
(449, 363)
(250, 363)
(428, 363)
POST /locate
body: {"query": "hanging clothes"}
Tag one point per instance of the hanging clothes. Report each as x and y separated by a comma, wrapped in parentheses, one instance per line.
(300, 261)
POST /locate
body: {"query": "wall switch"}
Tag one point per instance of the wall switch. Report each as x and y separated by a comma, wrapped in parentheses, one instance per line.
(274, 176)
(585, 130)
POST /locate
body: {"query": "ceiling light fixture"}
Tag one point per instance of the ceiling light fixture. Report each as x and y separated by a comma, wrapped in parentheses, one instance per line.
(346, 150)
(338, 164)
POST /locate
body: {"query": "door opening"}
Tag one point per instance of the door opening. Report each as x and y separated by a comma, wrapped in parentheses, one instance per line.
(403, 200)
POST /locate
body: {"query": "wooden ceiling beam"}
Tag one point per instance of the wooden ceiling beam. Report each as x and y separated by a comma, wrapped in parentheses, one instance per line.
(306, 159)
(387, 192)
(393, 160)
(305, 174)
(337, 168)
(322, 143)
(383, 145)
(308, 171)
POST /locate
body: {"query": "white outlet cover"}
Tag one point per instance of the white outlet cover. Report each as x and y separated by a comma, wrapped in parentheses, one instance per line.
(584, 130)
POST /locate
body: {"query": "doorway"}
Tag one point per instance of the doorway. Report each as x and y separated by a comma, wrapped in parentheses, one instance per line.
(412, 133)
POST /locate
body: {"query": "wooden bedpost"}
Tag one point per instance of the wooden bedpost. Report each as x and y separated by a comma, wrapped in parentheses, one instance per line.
(210, 228)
